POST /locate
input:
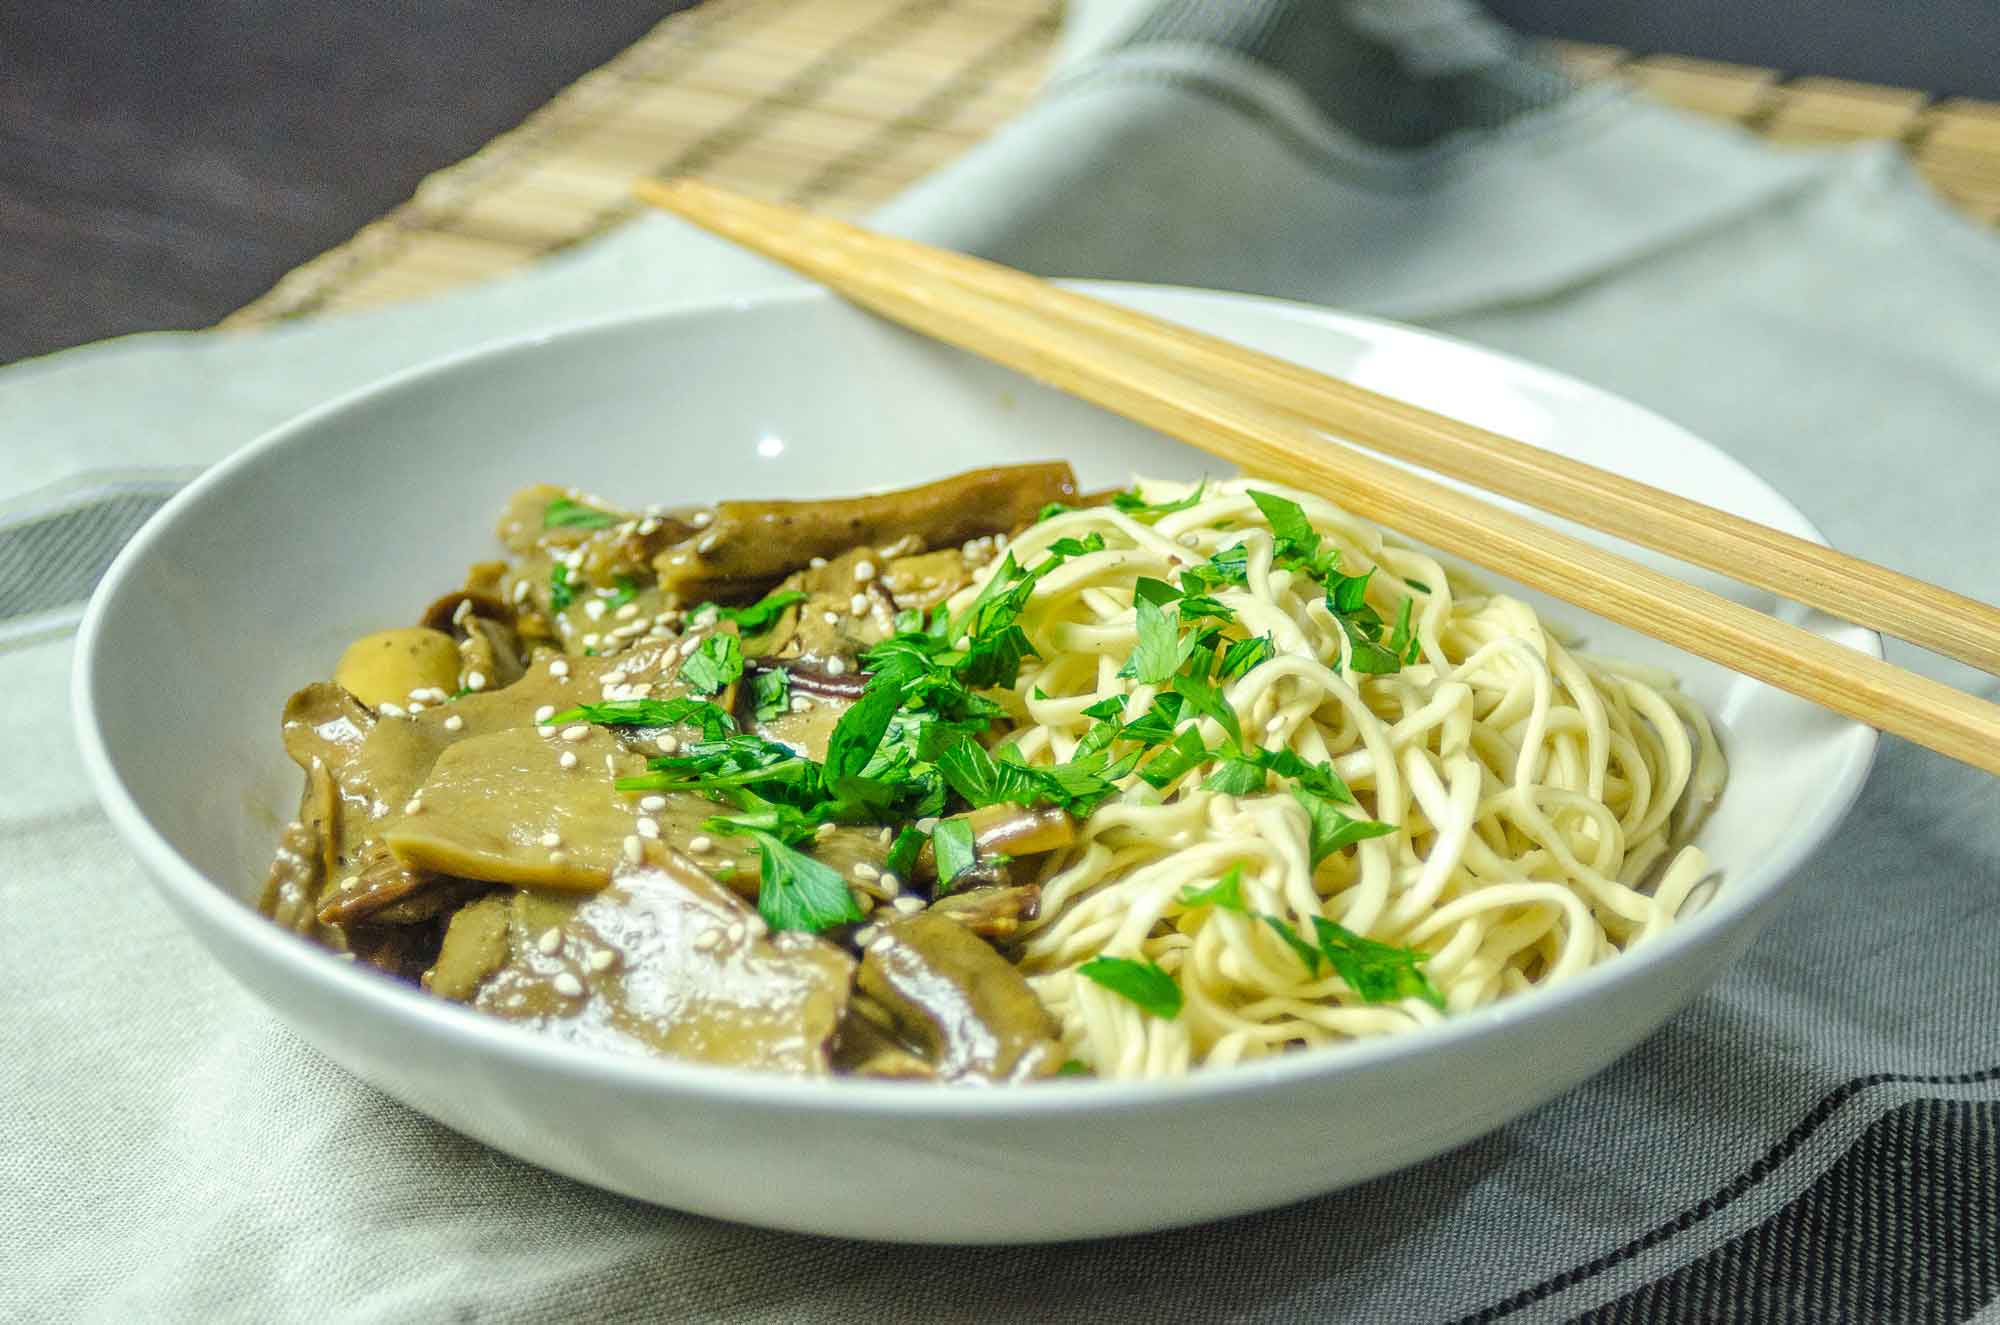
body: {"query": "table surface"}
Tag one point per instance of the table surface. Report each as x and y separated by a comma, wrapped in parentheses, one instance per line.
(161, 165)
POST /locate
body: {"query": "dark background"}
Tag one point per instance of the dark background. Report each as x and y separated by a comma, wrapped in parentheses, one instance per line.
(164, 163)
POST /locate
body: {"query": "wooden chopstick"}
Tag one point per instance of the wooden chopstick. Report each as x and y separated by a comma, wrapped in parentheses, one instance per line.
(1034, 334)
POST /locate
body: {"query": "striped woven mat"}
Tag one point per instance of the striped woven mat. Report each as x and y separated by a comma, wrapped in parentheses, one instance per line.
(841, 103)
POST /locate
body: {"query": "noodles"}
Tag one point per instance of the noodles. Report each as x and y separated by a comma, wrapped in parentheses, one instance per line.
(1533, 796)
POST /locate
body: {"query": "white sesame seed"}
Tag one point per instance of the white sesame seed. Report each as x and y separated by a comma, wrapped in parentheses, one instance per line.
(614, 677)
(836, 666)
(568, 985)
(558, 857)
(576, 731)
(1276, 723)
(550, 942)
(413, 805)
(635, 850)
(602, 959)
(592, 640)
(927, 824)
(701, 842)
(628, 611)
(858, 604)
(891, 885)
(551, 839)
(909, 906)
(867, 934)
(864, 571)
(878, 943)
(702, 519)
(559, 668)
(865, 872)
(1189, 539)
(707, 939)
(738, 931)
(817, 563)
(390, 710)
(520, 592)
(545, 731)
(823, 832)
(566, 760)
(886, 836)
(454, 723)
(647, 826)
(415, 707)
(831, 618)
(461, 612)
(652, 804)
(800, 703)
(545, 712)
(475, 680)
(648, 526)
(611, 764)
(350, 883)
(630, 630)
(667, 744)
(707, 543)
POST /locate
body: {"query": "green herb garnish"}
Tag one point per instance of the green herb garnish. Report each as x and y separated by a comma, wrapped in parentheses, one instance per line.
(771, 693)
(757, 618)
(714, 723)
(628, 589)
(797, 892)
(1134, 505)
(715, 663)
(1225, 894)
(1379, 972)
(561, 595)
(562, 513)
(1143, 983)
(1332, 830)
(951, 843)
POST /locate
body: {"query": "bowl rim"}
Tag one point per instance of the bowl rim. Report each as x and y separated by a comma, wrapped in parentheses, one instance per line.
(222, 917)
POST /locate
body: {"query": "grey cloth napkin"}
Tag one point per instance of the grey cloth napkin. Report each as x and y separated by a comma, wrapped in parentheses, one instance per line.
(1814, 1141)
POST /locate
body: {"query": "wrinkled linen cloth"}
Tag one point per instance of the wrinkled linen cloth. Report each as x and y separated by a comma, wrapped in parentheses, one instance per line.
(1815, 1140)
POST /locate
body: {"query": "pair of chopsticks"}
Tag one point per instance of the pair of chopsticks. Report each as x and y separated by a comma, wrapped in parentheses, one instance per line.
(1270, 416)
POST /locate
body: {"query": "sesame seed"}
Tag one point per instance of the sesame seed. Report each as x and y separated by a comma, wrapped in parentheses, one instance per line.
(879, 942)
(390, 710)
(461, 612)
(576, 731)
(592, 640)
(800, 703)
(817, 563)
(611, 764)
(909, 906)
(475, 680)
(630, 630)
(647, 826)
(867, 934)
(738, 931)
(454, 723)
(545, 731)
(1276, 723)
(864, 571)
(628, 611)
(891, 885)
(545, 712)
(702, 519)
(707, 939)
(865, 872)
(836, 666)
(551, 839)
(831, 618)
(602, 959)
(520, 592)
(635, 850)
(701, 842)
(648, 526)
(858, 604)
(614, 677)
(559, 668)
(568, 985)
(707, 544)
(667, 744)
(350, 883)
(823, 832)
(927, 824)
(415, 707)
(1189, 539)
(650, 804)
(886, 836)
(566, 761)
(558, 857)
(550, 942)
(413, 805)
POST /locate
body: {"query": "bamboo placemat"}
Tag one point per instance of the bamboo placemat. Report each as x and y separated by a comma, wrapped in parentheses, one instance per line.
(839, 104)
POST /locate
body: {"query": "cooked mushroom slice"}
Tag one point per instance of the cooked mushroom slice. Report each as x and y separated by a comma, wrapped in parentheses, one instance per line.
(962, 1004)
(668, 961)
(503, 809)
(994, 913)
(867, 1045)
(381, 882)
(751, 545)
(450, 613)
(1009, 830)
(391, 665)
(475, 946)
(491, 652)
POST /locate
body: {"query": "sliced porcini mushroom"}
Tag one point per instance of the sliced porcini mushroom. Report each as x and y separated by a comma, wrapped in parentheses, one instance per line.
(1008, 830)
(926, 579)
(666, 960)
(448, 614)
(994, 913)
(867, 1045)
(502, 808)
(380, 882)
(492, 652)
(389, 666)
(751, 545)
(958, 1003)
(474, 947)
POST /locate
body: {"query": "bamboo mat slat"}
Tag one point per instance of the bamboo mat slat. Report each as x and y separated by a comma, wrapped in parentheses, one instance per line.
(841, 104)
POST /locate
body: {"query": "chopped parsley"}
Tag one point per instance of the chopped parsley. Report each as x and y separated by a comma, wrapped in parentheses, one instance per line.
(1332, 830)
(797, 892)
(1143, 983)
(1225, 894)
(561, 594)
(716, 662)
(1134, 505)
(771, 693)
(760, 616)
(1244, 654)
(713, 721)
(627, 590)
(951, 843)
(562, 513)
(1378, 972)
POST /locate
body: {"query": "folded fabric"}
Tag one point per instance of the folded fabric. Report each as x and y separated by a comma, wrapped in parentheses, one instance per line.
(1813, 1141)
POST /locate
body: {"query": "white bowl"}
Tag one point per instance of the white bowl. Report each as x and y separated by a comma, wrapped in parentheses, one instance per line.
(251, 581)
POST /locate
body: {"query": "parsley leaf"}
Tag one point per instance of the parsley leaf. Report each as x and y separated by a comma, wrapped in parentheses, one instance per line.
(1229, 566)
(1379, 972)
(561, 595)
(1244, 654)
(1132, 504)
(1332, 830)
(1143, 983)
(716, 662)
(981, 779)
(562, 513)
(1206, 698)
(1157, 654)
(1403, 641)
(798, 892)
(771, 692)
(1307, 953)
(951, 843)
(903, 852)
(859, 731)
(1225, 894)
(1238, 776)
(714, 723)
(760, 616)
(628, 589)
(1054, 508)
(1170, 763)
